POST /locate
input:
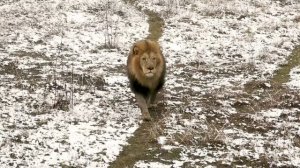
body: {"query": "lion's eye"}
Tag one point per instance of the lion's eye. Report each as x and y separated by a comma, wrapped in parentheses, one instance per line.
(144, 59)
(153, 58)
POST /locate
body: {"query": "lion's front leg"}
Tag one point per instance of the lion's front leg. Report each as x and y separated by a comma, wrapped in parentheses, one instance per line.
(143, 106)
(151, 100)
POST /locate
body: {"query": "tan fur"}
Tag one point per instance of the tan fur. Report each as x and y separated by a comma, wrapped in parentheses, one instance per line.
(146, 66)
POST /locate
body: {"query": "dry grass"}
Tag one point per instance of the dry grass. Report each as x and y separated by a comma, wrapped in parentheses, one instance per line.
(209, 136)
(156, 129)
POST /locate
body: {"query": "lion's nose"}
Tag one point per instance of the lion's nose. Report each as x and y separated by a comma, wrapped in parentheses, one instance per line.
(151, 68)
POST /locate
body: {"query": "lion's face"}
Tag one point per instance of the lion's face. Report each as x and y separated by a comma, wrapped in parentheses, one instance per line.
(148, 63)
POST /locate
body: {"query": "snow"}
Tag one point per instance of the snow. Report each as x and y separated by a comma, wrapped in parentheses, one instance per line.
(91, 133)
(248, 43)
(152, 164)
(274, 113)
(294, 78)
(64, 96)
(161, 140)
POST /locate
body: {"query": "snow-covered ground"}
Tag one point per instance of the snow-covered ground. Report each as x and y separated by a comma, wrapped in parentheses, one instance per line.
(80, 123)
(294, 78)
(65, 101)
(213, 48)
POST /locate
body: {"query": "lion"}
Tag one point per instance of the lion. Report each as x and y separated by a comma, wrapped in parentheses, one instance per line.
(146, 69)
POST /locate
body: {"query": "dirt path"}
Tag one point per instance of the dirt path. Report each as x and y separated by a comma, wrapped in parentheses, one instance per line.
(282, 75)
(144, 137)
(272, 91)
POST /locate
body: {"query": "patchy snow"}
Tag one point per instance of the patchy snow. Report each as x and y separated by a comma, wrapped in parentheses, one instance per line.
(294, 78)
(213, 48)
(65, 101)
(46, 119)
(152, 164)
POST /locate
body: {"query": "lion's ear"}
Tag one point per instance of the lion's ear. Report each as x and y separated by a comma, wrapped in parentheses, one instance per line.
(135, 50)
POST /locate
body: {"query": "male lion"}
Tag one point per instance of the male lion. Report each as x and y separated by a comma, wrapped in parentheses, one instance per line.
(146, 68)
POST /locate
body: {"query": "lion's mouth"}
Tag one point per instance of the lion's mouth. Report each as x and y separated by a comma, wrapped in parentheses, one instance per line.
(149, 74)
